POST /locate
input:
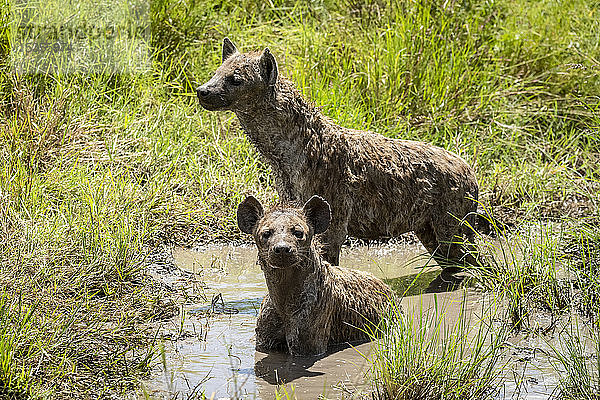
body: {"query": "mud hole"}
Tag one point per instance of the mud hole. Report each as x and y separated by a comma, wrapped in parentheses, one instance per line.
(210, 350)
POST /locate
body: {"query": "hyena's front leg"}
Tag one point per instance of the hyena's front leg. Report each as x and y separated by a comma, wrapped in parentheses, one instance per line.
(335, 236)
(307, 335)
(270, 333)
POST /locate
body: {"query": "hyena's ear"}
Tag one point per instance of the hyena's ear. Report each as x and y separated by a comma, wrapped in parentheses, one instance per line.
(268, 67)
(228, 49)
(248, 213)
(318, 213)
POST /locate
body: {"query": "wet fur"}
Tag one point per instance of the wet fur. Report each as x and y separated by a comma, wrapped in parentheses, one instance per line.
(310, 303)
(378, 187)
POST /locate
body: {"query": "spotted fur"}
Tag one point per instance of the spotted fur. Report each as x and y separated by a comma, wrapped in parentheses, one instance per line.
(378, 187)
(311, 304)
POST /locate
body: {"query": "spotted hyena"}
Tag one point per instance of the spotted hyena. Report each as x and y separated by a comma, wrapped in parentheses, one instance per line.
(378, 187)
(310, 303)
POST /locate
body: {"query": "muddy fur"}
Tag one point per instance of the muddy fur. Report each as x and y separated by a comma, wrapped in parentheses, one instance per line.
(311, 304)
(378, 187)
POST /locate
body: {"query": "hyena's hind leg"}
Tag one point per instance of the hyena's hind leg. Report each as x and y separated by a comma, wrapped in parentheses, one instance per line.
(428, 239)
(457, 240)
(470, 228)
(448, 245)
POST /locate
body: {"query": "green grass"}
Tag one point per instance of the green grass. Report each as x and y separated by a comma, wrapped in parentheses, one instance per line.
(583, 254)
(551, 267)
(576, 356)
(575, 359)
(527, 268)
(97, 166)
(424, 354)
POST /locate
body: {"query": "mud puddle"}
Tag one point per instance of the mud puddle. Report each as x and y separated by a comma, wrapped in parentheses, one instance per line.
(212, 348)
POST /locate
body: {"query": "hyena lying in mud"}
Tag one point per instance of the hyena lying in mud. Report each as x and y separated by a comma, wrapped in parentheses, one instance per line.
(310, 303)
(378, 187)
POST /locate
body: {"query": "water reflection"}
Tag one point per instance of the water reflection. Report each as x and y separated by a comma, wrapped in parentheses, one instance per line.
(280, 368)
(427, 281)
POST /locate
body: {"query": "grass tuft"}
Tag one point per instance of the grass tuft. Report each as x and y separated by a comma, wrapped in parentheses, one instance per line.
(424, 355)
(527, 269)
(575, 359)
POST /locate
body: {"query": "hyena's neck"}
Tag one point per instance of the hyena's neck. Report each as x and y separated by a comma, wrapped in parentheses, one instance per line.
(285, 128)
(286, 286)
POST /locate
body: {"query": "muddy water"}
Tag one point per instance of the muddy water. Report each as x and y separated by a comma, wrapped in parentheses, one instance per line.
(213, 351)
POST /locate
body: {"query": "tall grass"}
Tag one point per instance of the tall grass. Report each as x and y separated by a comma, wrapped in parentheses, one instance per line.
(525, 268)
(583, 253)
(15, 326)
(98, 166)
(74, 304)
(576, 359)
(551, 267)
(576, 356)
(423, 354)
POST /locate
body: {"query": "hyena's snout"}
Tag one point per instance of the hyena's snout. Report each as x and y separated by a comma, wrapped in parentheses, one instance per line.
(212, 97)
(206, 93)
(202, 92)
(282, 254)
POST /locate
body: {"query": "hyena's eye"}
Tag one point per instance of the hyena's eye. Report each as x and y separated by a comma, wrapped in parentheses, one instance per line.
(265, 235)
(298, 233)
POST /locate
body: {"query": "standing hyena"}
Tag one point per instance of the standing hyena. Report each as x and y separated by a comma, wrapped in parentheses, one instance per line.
(377, 187)
(310, 303)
